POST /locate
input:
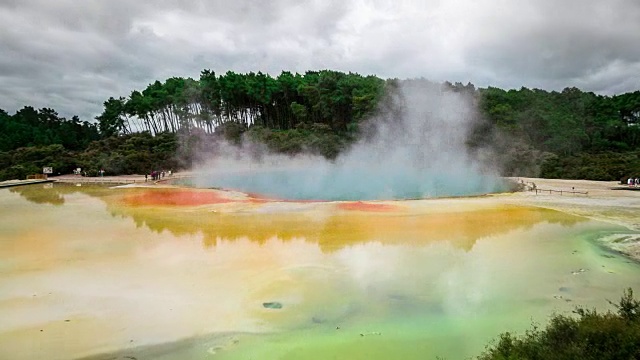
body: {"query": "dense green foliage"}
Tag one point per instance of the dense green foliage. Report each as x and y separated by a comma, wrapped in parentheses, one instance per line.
(127, 154)
(568, 134)
(592, 335)
(131, 154)
(605, 165)
(31, 139)
(285, 102)
(31, 127)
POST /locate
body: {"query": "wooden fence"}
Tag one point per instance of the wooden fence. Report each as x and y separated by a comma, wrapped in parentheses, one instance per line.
(530, 186)
(561, 192)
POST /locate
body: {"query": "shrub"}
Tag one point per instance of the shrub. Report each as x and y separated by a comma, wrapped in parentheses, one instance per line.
(590, 335)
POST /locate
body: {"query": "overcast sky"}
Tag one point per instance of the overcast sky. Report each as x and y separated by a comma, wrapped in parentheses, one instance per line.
(72, 55)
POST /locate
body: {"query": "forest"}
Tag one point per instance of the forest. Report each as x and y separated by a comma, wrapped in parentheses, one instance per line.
(567, 134)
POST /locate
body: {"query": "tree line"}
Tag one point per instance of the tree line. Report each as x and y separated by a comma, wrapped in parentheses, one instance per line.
(566, 134)
(254, 99)
(30, 127)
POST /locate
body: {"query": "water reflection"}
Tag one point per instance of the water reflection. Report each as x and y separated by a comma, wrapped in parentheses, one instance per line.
(54, 193)
(431, 279)
(324, 224)
(333, 232)
(40, 194)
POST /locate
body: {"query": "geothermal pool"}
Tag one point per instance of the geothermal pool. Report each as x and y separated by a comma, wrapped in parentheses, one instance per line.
(339, 183)
(168, 273)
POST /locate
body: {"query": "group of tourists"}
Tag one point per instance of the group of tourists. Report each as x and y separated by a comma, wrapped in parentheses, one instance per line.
(157, 175)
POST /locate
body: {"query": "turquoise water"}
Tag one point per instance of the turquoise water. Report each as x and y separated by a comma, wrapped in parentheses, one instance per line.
(350, 184)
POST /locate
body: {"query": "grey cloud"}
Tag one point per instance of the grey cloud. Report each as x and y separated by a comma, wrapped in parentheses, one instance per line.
(72, 55)
(567, 44)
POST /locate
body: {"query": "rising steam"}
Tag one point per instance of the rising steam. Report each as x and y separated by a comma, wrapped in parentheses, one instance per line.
(415, 148)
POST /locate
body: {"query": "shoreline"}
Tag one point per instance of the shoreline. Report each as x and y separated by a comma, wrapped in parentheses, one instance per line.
(117, 179)
(606, 201)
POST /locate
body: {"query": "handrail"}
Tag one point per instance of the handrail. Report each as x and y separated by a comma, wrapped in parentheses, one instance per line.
(550, 191)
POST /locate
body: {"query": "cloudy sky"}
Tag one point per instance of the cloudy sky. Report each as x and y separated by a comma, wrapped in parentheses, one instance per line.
(72, 55)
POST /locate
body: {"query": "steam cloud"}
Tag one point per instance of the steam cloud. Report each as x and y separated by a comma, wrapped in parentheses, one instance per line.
(416, 148)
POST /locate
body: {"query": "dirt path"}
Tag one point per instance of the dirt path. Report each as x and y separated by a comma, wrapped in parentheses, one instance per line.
(119, 179)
